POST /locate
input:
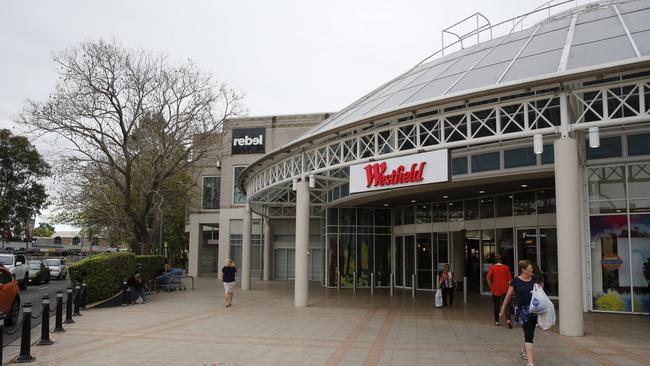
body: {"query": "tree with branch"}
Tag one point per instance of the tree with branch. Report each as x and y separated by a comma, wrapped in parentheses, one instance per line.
(128, 123)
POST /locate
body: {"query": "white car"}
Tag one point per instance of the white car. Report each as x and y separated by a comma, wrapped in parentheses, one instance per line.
(16, 263)
(58, 270)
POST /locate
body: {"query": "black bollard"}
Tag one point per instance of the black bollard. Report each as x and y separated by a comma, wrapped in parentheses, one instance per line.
(68, 308)
(77, 293)
(124, 299)
(26, 335)
(58, 324)
(45, 322)
(83, 296)
(2, 331)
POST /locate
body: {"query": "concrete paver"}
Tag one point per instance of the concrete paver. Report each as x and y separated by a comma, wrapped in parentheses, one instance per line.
(338, 328)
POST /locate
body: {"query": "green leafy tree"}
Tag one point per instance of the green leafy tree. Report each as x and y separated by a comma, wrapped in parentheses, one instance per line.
(131, 121)
(43, 230)
(22, 195)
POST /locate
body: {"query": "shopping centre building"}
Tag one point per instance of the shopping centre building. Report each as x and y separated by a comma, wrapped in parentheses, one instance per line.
(533, 145)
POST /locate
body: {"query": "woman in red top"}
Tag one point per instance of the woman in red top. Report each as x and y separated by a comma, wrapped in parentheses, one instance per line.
(498, 278)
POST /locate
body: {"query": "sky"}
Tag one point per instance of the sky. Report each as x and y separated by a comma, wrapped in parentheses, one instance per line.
(287, 56)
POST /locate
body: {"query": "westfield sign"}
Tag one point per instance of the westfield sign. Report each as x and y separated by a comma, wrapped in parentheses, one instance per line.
(404, 171)
(376, 174)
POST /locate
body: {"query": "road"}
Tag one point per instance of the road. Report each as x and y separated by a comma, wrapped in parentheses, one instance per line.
(33, 294)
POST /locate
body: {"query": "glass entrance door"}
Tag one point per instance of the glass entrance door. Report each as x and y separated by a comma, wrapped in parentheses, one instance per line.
(424, 262)
(539, 245)
(404, 260)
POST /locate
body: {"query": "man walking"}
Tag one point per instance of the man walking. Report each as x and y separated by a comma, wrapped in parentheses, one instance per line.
(498, 278)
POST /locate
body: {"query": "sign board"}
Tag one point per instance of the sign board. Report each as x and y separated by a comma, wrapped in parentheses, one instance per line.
(403, 171)
(248, 140)
(611, 262)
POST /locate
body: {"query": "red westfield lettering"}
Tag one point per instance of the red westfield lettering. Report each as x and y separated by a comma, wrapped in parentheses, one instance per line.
(376, 174)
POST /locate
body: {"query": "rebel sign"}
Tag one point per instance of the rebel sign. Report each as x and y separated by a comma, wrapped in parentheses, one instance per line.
(403, 171)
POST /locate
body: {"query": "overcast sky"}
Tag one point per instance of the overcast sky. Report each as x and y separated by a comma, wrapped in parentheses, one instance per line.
(287, 56)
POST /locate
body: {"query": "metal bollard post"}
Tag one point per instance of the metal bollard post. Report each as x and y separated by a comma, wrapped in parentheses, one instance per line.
(413, 285)
(2, 330)
(58, 324)
(354, 282)
(45, 322)
(124, 301)
(83, 296)
(76, 300)
(372, 283)
(392, 284)
(464, 289)
(68, 308)
(26, 335)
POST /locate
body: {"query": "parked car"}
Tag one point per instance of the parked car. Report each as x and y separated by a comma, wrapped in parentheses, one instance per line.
(9, 296)
(38, 272)
(16, 263)
(57, 268)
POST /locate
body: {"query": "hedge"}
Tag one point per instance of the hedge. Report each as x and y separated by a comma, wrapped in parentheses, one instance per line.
(150, 264)
(103, 274)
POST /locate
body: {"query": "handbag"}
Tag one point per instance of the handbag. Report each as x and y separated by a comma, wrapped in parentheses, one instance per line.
(438, 298)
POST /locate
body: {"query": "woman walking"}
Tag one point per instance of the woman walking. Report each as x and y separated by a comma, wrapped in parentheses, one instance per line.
(228, 278)
(448, 284)
(522, 288)
(498, 279)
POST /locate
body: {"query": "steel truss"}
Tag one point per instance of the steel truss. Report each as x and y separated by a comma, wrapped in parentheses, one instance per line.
(269, 189)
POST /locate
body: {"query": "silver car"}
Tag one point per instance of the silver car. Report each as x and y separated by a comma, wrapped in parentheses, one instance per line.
(57, 268)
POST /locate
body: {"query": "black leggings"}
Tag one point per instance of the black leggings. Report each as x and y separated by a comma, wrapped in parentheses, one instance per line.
(496, 304)
(447, 293)
(529, 328)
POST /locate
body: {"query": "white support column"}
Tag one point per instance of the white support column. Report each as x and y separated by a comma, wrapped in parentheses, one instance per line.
(267, 250)
(246, 250)
(195, 243)
(301, 283)
(567, 198)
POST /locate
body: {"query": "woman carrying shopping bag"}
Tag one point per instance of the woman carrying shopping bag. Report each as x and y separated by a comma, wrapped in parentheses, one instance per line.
(522, 288)
(448, 284)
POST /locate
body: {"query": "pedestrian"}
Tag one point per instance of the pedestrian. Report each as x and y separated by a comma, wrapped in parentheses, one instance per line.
(448, 284)
(228, 278)
(138, 290)
(522, 288)
(498, 278)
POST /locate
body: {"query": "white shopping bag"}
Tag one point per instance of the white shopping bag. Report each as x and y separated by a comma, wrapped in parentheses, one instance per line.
(438, 298)
(547, 319)
(539, 301)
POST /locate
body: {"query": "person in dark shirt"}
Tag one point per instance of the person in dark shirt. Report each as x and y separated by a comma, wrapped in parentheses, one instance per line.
(228, 278)
(522, 288)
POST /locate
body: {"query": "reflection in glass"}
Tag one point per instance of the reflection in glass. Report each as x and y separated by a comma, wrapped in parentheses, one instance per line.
(611, 285)
(606, 183)
(505, 247)
(364, 260)
(399, 261)
(548, 259)
(398, 216)
(439, 212)
(422, 214)
(504, 205)
(382, 260)
(409, 260)
(546, 201)
(382, 217)
(487, 207)
(347, 256)
(524, 203)
(409, 215)
(471, 209)
(488, 253)
(364, 217)
(640, 254)
(456, 211)
(424, 261)
(527, 244)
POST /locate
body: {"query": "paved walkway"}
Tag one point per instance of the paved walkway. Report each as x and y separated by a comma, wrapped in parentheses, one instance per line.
(263, 328)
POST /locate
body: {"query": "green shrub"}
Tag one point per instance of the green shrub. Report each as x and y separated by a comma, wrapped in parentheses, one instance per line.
(103, 274)
(610, 302)
(150, 264)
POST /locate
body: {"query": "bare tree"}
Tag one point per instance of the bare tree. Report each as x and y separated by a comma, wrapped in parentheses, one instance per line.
(129, 122)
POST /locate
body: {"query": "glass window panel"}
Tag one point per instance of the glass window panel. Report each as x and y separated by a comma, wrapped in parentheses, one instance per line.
(443, 251)
(527, 245)
(640, 254)
(439, 212)
(382, 260)
(399, 261)
(364, 260)
(382, 217)
(606, 183)
(606, 207)
(524, 203)
(539, 64)
(487, 207)
(332, 259)
(504, 205)
(347, 259)
(610, 147)
(519, 157)
(423, 214)
(398, 216)
(409, 215)
(424, 261)
(639, 180)
(280, 264)
(332, 216)
(211, 191)
(346, 216)
(546, 201)
(238, 197)
(471, 209)
(505, 248)
(409, 259)
(588, 54)
(548, 260)
(638, 144)
(456, 211)
(640, 205)
(488, 255)
(610, 249)
(485, 162)
(459, 166)
(364, 216)
(548, 154)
